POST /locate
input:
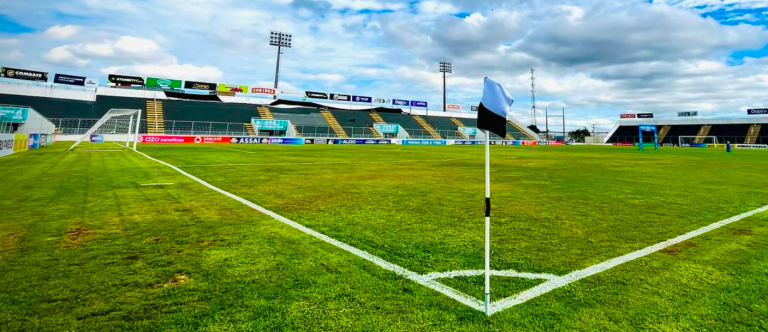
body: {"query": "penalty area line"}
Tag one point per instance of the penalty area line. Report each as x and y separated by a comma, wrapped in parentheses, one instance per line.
(611, 263)
(399, 270)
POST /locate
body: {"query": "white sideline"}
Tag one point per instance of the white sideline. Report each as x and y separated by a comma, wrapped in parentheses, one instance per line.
(428, 280)
(600, 267)
(157, 184)
(505, 273)
(450, 292)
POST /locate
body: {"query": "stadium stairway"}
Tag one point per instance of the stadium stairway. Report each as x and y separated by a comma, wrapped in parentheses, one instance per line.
(155, 119)
(754, 130)
(377, 119)
(521, 130)
(427, 127)
(249, 128)
(703, 132)
(334, 124)
(265, 113)
(663, 133)
(458, 123)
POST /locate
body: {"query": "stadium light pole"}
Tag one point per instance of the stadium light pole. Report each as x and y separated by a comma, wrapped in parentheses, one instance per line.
(445, 68)
(279, 39)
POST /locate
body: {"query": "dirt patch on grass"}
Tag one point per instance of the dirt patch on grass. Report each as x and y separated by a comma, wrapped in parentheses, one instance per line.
(205, 243)
(153, 239)
(177, 280)
(674, 250)
(77, 235)
(743, 232)
(9, 244)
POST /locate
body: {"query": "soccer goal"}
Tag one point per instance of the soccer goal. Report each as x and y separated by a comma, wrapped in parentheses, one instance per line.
(115, 130)
(695, 140)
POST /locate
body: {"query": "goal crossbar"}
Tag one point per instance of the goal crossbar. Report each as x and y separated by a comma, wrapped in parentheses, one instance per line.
(111, 114)
(682, 140)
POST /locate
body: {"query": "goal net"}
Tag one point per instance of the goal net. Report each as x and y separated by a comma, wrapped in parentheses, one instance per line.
(696, 140)
(115, 130)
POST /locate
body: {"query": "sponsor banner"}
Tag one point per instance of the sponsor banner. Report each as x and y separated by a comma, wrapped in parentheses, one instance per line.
(316, 95)
(467, 142)
(230, 88)
(668, 145)
(424, 142)
(651, 145)
(550, 143)
(122, 80)
(34, 141)
(183, 139)
(345, 141)
(23, 74)
(91, 82)
(647, 128)
(474, 108)
(269, 124)
(245, 140)
(455, 107)
(20, 142)
(384, 101)
(751, 146)
(69, 80)
(362, 99)
(163, 83)
(340, 97)
(191, 85)
(6, 144)
(264, 91)
(388, 128)
(523, 143)
(96, 138)
(14, 114)
(623, 144)
(283, 141)
(687, 114)
(43, 140)
(645, 115)
(400, 102)
(692, 145)
(628, 116)
(226, 94)
(415, 103)
(757, 111)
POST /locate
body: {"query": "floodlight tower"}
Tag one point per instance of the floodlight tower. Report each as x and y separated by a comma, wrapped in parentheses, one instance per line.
(445, 68)
(279, 39)
(533, 98)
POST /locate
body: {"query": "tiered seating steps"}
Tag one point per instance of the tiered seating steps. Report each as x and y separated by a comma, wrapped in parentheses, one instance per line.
(427, 127)
(703, 132)
(754, 130)
(334, 124)
(155, 119)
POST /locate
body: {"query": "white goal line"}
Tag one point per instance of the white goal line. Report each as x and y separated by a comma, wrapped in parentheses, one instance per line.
(553, 282)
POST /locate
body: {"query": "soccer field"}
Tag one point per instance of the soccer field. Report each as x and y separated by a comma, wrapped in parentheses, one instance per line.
(381, 238)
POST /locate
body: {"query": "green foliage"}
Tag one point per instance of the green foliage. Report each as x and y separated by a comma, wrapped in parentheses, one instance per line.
(84, 246)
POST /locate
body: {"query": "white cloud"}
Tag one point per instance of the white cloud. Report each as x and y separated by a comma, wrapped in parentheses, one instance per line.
(61, 31)
(62, 56)
(327, 78)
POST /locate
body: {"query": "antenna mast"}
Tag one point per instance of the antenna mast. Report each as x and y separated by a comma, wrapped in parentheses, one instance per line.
(533, 98)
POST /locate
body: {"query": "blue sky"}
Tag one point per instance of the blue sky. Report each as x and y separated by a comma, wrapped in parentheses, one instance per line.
(598, 59)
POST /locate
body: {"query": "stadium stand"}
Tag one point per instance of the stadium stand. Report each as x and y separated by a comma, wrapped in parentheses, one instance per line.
(175, 114)
(734, 130)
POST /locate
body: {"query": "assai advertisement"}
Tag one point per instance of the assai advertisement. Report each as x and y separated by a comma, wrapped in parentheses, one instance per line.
(231, 88)
(184, 139)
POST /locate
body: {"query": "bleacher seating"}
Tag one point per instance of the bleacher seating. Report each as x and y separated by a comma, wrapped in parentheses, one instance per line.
(734, 133)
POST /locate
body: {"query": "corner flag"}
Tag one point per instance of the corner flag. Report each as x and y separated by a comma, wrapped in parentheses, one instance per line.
(494, 107)
(492, 117)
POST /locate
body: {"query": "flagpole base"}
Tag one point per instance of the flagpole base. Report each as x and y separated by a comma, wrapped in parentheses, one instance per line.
(487, 300)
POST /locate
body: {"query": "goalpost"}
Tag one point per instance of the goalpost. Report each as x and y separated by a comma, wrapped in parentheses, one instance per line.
(113, 130)
(687, 141)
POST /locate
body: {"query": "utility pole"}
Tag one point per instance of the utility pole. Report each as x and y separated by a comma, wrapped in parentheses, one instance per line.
(445, 68)
(279, 39)
(564, 125)
(546, 121)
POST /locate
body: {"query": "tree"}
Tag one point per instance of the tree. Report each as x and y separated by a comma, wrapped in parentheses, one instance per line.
(578, 135)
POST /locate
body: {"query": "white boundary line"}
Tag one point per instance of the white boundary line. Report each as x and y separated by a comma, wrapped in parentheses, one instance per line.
(450, 292)
(472, 273)
(600, 267)
(157, 184)
(428, 279)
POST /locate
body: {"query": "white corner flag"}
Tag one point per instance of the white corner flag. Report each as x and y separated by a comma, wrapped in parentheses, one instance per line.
(492, 117)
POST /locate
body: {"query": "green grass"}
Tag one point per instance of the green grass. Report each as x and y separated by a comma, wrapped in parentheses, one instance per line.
(83, 246)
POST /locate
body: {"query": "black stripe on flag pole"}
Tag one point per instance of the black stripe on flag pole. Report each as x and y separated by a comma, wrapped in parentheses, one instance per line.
(487, 206)
(491, 121)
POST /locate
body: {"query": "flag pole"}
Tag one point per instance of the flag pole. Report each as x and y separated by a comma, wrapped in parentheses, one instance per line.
(487, 221)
